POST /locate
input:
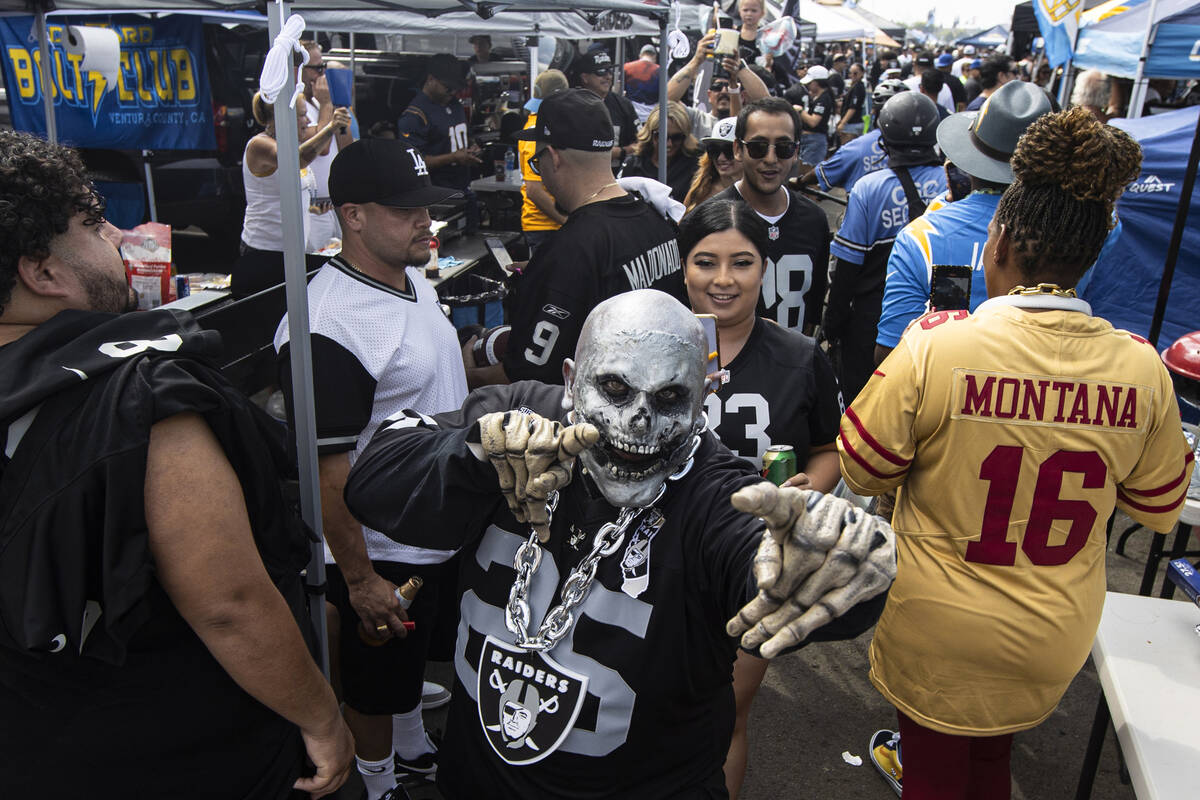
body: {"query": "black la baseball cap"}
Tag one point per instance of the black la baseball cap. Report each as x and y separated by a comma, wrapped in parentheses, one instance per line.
(389, 172)
(572, 119)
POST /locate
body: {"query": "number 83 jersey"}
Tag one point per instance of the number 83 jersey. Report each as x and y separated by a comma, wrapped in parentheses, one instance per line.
(1011, 434)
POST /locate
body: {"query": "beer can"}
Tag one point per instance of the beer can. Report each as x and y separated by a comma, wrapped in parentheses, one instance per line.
(779, 463)
(183, 286)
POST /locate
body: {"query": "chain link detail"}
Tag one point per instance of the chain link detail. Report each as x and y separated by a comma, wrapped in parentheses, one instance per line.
(560, 618)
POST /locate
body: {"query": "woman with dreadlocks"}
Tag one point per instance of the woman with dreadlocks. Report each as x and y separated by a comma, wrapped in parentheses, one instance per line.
(1012, 433)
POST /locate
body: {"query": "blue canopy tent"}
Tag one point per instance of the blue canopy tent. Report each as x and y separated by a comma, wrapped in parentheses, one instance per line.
(1130, 285)
(992, 37)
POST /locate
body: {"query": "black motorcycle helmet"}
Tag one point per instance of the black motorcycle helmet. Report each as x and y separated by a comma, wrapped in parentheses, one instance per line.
(908, 126)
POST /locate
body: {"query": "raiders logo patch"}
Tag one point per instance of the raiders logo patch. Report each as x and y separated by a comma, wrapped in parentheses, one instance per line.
(527, 701)
(635, 564)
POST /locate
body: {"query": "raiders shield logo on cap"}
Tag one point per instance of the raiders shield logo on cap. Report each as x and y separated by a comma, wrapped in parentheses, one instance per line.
(527, 701)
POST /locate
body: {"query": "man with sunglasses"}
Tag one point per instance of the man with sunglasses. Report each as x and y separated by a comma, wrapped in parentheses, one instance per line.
(738, 82)
(594, 72)
(798, 251)
(436, 124)
(612, 241)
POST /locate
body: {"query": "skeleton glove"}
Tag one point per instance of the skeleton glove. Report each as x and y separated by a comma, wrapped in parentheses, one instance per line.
(819, 557)
(533, 457)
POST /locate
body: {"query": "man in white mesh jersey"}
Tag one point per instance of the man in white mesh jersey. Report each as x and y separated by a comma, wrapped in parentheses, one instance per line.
(380, 344)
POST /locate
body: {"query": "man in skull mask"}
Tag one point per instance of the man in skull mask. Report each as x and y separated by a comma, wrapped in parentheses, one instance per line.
(633, 664)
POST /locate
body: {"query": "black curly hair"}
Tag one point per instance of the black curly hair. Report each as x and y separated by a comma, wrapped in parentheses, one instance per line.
(42, 186)
(1069, 170)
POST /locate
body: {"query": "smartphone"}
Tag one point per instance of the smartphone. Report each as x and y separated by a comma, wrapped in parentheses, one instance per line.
(950, 288)
(713, 365)
(958, 181)
(499, 252)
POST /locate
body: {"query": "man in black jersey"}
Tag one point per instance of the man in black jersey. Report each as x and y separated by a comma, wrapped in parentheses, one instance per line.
(611, 242)
(148, 624)
(594, 72)
(798, 255)
(623, 689)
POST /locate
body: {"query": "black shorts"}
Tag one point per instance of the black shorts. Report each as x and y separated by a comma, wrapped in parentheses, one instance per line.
(387, 679)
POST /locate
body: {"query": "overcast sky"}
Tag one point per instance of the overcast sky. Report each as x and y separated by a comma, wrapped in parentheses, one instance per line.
(970, 13)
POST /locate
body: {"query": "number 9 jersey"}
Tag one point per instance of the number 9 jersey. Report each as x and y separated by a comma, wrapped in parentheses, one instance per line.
(1011, 435)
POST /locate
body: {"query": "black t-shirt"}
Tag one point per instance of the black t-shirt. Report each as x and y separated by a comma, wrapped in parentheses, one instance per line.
(748, 50)
(134, 697)
(837, 83)
(602, 250)
(680, 171)
(622, 113)
(957, 91)
(658, 711)
(823, 106)
(781, 390)
(797, 263)
(854, 100)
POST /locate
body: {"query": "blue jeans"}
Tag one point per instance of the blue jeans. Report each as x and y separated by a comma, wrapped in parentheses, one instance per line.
(813, 147)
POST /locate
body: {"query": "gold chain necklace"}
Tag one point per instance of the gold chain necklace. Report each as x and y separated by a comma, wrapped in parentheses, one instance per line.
(593, 195)
(1043, 288)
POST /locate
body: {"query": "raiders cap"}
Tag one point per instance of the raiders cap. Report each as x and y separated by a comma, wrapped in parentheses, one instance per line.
(573, 119)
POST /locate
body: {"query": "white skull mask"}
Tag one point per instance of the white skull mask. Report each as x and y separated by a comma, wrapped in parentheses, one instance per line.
(639, 378)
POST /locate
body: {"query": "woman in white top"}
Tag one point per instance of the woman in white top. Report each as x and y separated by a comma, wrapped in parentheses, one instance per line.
(261, 263)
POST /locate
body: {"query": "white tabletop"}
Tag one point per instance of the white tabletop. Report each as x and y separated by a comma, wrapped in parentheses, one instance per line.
(1148, 655)
(511, 183)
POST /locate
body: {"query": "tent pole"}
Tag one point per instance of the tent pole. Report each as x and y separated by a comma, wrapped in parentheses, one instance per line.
(153, 204)
(44, 69)
(662, 99)
(1181, 215)
(619, 66)
(1066, 83)
(353, 66)
(534, 42)
(1137, 95)
(288, 173)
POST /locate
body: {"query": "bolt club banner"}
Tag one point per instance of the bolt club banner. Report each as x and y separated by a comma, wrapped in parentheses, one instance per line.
(160, 99)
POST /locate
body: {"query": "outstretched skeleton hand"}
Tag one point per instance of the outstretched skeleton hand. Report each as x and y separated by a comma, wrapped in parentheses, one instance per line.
(819, 557)
(533, 457)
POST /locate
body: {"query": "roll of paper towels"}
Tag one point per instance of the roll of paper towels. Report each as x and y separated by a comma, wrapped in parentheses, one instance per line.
(100, 48)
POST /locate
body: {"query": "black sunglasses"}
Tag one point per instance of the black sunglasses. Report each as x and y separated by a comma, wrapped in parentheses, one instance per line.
(318, 68)
(783, 150)
(716, 149)
(674, 138)
(534, 161)
(717, 88)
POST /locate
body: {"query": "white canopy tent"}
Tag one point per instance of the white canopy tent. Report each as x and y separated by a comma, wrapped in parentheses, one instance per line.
(337, 15)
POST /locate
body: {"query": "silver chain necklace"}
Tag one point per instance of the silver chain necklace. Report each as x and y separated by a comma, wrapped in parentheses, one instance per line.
(560, 618)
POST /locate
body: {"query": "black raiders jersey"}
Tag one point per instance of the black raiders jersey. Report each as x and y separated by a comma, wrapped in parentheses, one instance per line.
(781, 390)
(99, 674)
(602, 250)
(793, 288)
(635, 701)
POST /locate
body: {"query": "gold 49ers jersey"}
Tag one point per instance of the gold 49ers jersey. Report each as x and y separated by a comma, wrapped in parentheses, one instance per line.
(1011, 433)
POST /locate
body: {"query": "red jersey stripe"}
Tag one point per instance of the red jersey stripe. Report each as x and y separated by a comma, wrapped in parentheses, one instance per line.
(1166, 487)
(876, 446)
(1127, 500)
(866, 464)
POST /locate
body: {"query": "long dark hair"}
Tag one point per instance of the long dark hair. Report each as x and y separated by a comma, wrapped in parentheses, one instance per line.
(716, 215)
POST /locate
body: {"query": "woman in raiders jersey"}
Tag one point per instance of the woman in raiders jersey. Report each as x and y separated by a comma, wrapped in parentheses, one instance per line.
(781, 388)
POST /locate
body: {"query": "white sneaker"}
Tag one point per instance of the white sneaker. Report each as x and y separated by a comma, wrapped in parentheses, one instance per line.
(433, 695)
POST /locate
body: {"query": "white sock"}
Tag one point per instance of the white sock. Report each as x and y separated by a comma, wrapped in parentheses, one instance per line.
(408, 735)
(377, 776)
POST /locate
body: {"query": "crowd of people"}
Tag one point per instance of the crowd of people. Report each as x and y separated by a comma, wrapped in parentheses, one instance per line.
(499, 506)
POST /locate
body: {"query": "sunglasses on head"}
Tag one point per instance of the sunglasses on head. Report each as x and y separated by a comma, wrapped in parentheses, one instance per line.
(783, 150)
(717, 149)
(674, 138)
